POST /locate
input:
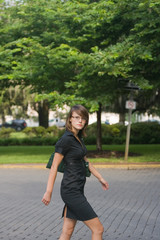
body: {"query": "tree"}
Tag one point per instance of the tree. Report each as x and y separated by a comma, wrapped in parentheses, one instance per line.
(126, 54)
(27, 45)
(81, 48)
(142, 47)
(14, 101)
(77, 44)
(2, 105)
(97, 67)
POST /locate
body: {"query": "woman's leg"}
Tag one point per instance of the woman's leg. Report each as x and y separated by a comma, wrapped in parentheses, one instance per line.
(68, 227)
(96, 227)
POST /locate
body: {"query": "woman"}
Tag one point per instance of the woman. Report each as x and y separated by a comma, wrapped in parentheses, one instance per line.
(72, 150)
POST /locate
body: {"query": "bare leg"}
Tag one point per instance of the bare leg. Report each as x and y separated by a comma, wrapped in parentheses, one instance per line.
(96, 227)
(68, 227)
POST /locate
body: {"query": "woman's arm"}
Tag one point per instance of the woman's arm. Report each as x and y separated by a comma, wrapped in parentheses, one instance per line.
(52, 177)
(104, 183)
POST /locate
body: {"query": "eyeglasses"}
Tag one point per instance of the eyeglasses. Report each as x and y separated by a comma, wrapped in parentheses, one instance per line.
(77, 118)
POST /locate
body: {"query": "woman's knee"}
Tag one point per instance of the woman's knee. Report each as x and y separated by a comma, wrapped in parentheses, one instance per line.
(95, 225)
(67, 231)
(99, 229)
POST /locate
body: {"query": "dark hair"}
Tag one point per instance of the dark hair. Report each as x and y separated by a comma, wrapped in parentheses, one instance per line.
(82, 111)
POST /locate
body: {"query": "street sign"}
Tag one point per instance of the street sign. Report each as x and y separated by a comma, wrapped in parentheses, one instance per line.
(130, 104)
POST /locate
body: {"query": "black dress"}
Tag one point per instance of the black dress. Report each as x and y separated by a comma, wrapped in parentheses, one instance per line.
(72, 186)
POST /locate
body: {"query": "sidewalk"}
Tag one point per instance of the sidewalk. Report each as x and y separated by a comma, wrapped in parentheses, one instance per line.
(129, 210)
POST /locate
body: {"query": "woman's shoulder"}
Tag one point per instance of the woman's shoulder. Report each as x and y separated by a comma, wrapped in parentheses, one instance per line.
(63, 144)
(66, 137)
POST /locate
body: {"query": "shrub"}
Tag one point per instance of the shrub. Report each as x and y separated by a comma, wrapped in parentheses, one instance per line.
(29, 131)
(40, 131)
(141, 133)
(90, 140)
(115, 131)
(10, 141)
(35, 131)
(107, 130)
(61, 132)
(50, 141)
(91, 130)
(145, 133)
(53, 131)
(5, 132)
(35, 141)
(107, 140)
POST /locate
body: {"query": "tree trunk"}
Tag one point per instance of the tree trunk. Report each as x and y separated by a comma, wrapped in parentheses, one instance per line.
(122, 118)
(99, 131)
(3, 117)
(43, 111)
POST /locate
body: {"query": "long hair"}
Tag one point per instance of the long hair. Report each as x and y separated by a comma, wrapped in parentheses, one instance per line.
(82, 111)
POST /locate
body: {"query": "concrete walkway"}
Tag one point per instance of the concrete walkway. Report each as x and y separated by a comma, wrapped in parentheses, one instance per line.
(130, 209)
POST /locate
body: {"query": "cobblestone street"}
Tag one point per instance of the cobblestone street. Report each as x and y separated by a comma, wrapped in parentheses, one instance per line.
(130, 209)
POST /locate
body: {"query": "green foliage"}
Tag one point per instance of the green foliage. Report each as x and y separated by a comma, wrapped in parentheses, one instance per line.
(80, 43)
(35, 131)
(40, 131)
(75, 51)
(19, 134)
(5, 132)
(53, 130)
(145, 133)
(115, 131)
(107, 130)
(29, 131)
(141, 133)
(14, 101)
(34, 141)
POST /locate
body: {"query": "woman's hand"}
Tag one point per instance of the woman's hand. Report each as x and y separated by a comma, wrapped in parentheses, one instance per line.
(52, 177)
(46, 198)
(105, 185)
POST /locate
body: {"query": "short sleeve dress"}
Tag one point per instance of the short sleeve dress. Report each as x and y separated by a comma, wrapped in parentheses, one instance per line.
(72, 185)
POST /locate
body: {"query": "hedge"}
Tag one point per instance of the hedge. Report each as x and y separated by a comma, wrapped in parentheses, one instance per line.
(35, 141)
(141, 133)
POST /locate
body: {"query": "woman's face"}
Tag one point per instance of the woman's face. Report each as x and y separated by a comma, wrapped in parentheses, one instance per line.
(77, 122)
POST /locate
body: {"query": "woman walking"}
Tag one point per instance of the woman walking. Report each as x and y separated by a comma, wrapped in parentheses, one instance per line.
(72, 150)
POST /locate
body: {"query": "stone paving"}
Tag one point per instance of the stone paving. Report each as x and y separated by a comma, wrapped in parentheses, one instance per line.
(130, 209)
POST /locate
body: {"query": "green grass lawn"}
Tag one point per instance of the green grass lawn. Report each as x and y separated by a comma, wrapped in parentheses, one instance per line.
(41, 154)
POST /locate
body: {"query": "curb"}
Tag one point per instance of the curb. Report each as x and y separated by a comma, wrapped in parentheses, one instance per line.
(129, 166)
(96, 165)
